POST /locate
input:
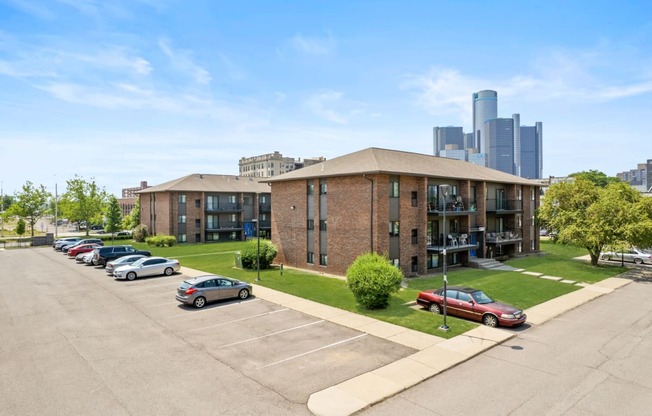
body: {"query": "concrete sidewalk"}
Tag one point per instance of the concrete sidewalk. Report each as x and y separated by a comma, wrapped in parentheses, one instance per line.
(435, 354)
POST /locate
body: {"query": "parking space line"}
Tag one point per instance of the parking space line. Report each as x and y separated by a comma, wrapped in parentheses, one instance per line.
(213, 309)
(240, 320)
(313, 351)
(272, 334)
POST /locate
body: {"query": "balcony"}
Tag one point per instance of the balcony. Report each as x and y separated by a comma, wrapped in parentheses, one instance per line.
(224, 226)
(504, 206)
(503, 238)
(457, 207)
(265, 207)
(454, 242)
(228, 207)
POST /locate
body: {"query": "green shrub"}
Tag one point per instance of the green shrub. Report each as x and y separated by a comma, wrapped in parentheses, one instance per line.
(372, 279)
(140, 233)
(161, 240)
(249, 254)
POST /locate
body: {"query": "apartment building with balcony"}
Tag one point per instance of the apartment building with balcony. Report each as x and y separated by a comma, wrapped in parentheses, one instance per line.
(391, 202)
(207, 208)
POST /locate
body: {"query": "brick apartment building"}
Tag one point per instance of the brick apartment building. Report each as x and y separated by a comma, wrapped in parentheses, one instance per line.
(203, 208)
(389, 202)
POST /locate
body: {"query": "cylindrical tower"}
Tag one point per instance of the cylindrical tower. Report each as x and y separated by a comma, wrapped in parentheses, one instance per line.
(485, 107)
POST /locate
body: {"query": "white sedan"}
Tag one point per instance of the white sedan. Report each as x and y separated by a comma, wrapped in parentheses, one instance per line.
(122, 261)
(147, 266)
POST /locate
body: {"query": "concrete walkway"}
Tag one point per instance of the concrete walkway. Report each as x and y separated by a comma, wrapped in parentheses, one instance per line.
(435, 354)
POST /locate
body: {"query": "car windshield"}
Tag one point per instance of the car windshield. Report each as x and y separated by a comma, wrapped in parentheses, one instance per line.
(139, 261)
(480, 297)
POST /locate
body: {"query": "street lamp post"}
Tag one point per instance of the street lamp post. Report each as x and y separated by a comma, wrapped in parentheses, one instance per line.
(443, 190)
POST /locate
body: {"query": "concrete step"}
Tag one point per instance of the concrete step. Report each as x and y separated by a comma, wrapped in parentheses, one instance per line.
(488, 264)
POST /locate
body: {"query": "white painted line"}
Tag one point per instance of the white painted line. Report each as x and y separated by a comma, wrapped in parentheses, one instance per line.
(272, 334)
(316, 350)
(240, 320)
(213, 309)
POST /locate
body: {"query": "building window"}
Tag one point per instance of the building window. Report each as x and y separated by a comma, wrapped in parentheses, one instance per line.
(197, 238)
(262, 199)
(311, 224)
(181, 238)
(311, 188)
(263, 217)
(322, 225)
(197, 223)
(248, 200)
(311, 257)
(323, 260)
(197, 203)
(393, 188)
(323, 188)
(393, 228)
(231, 199)
(414, 199)
(182, 198)
(519, 194)
(453, 192)
(212, 203)
(433, 260)
(415, 264)
(415, 236)
(182, 219)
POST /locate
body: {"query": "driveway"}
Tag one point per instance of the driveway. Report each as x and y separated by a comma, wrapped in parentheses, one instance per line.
(593, 360)
(75, 341)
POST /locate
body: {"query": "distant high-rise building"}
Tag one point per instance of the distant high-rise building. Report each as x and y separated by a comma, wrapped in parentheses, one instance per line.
(273, 164)
(485, 107)
(531, 159)
(499, 133)
(443, 136)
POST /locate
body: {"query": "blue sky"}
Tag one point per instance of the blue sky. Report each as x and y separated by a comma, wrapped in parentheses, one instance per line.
(123, 91)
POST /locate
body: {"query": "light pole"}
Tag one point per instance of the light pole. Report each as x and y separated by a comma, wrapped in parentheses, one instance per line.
(257, 221)
(443, 190)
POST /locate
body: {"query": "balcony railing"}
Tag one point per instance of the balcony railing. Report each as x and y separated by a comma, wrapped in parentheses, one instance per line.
(503, 237)
(228, 207)
(493, 205)
(457, 205)
(224, 226)
(459, 240)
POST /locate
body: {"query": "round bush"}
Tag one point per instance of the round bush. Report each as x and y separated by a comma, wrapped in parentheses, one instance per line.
(372, 279)
(249, 254)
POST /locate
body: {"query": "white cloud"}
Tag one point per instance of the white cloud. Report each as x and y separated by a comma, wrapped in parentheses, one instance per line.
(324, 103)
(313, 45)
(181, 59)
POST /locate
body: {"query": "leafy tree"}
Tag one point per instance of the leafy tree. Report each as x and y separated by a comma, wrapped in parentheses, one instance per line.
(6, 202)
(598, 178)
(30, 204)
(132, 220)
(83, 201)
(20, 227)
(372, 279)
(113, 216)
(249, 254)
(591, 216)
(140, 233)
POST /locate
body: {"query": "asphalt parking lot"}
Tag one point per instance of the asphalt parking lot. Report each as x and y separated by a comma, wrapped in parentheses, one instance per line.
(76, 341)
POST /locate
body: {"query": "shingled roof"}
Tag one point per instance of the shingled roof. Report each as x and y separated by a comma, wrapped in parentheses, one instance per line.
(394, 162)
(202, 182)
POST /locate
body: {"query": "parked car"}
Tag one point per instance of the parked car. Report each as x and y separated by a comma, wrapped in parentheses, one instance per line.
(147, 266)
(67, 247)
(108, 253)
(636, 255)
(121, 233)
(469, 303)
(82, 248)
(122, 261)
(85, 258)
(208, 288)
(64, 242)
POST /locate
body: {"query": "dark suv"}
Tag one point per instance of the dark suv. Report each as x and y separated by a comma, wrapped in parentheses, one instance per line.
(102, 255)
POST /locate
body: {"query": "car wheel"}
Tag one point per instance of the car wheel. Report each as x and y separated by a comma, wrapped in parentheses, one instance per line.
(244, 294)
(199, 302)
(490, 320)
(605, 257)
(638, 261)
(435, 308)
(131, 276)
(169, 271)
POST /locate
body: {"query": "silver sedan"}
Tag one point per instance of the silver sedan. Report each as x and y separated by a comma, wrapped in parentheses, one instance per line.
(208, 288)
(122, 261)
(147, 266)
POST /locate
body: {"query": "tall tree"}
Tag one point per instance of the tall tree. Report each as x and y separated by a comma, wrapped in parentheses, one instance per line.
(598, 178)
(113, 216)
(83, 201)
(30, 204)
(591, 216)
(132, 220)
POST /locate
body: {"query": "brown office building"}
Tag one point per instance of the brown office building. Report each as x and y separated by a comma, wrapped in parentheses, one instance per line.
(205, 208)
(394, 203)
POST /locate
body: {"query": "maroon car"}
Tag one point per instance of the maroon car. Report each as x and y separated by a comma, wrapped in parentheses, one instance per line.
(469, 303)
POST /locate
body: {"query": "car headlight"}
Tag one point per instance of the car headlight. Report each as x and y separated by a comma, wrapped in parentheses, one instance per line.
(508, 316)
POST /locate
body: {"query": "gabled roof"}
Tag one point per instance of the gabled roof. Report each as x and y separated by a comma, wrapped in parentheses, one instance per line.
(394, 162)
(202, 182)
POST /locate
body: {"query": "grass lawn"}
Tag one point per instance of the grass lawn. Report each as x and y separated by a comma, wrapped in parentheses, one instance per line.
(516, 288)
